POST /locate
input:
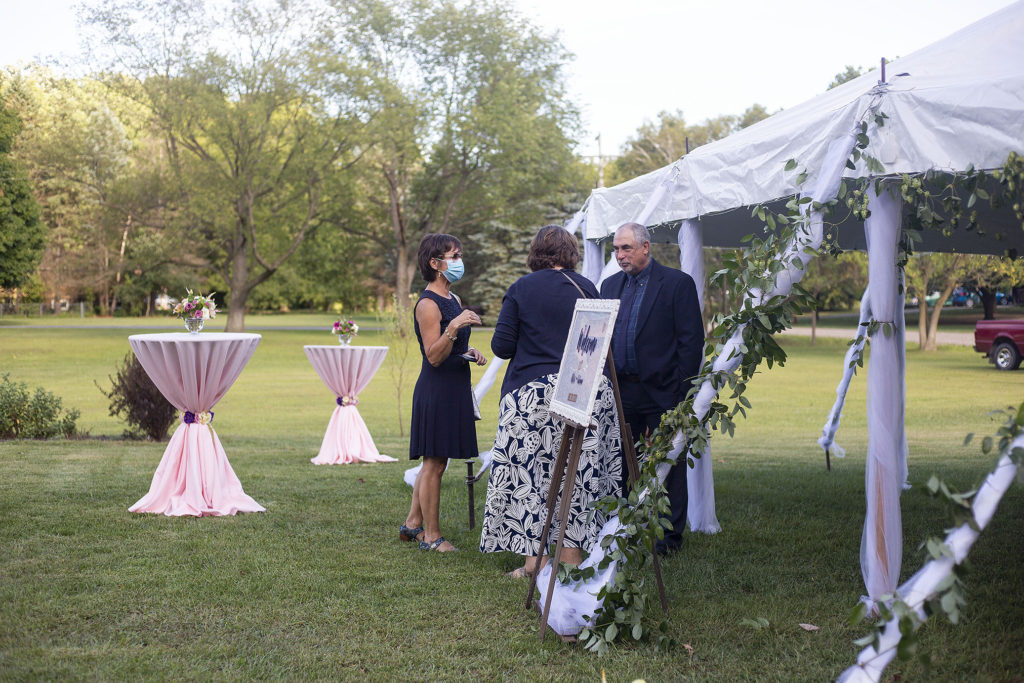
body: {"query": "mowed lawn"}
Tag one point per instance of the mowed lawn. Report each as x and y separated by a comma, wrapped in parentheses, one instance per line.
(320, 587)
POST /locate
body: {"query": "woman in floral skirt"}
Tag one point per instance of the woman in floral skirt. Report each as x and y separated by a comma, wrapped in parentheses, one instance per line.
(531, 331)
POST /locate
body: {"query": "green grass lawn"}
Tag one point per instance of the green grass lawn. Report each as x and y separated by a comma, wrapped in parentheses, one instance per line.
(320, 587)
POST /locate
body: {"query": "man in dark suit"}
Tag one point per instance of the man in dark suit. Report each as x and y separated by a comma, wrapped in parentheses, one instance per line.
(658, 347)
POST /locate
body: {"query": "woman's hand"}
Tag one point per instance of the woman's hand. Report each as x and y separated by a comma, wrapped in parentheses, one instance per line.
(464, 319)
(480, 358)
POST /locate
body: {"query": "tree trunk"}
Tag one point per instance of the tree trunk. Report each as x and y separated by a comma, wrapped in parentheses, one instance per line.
(922, 323)
(403, 279)
(239, 283)
(988, 302)
(814, 325)
(236, 308)
(933, 325)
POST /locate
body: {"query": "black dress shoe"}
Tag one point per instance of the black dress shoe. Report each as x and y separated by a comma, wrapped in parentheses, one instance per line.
(665, 548)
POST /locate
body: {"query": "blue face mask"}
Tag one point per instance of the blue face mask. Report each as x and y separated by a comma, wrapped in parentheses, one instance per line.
(455, 270)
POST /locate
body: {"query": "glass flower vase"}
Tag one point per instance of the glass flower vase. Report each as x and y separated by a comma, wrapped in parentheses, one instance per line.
(194, 325)
(344, 339)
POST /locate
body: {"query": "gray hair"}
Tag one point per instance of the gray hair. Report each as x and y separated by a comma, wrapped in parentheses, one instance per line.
(640, 232)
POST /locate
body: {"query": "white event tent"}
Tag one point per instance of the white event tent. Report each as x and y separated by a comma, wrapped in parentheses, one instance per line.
(956, 104)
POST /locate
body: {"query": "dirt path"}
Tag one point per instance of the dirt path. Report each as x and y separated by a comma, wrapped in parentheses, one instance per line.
(944, 338)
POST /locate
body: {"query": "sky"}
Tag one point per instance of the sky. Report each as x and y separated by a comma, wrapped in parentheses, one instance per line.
(636, 58)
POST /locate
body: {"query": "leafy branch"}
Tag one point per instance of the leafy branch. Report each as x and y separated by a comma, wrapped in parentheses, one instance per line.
(752, 269)
(948, 597)
(748, 275)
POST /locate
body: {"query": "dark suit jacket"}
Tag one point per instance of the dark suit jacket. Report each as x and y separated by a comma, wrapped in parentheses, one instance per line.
(669, 333)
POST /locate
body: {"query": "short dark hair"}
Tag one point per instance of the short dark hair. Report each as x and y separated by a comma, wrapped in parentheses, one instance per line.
(553, 246)
(435, 245)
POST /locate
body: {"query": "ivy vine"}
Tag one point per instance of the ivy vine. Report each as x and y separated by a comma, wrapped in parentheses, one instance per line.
(625, 601)
(949, 598)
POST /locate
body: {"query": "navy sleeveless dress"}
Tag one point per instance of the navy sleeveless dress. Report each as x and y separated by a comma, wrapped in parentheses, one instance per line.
(442, 402)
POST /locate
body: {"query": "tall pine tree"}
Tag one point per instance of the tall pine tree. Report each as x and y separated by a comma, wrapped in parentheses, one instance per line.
(21, 233)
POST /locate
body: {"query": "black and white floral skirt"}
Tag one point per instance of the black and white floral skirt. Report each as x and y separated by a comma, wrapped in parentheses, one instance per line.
(524, 452)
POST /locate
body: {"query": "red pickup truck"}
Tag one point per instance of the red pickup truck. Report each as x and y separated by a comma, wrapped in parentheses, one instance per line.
(1001, 340)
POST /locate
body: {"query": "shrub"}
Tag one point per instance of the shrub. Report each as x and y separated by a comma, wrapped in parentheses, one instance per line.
(35, 416)
(134, 396)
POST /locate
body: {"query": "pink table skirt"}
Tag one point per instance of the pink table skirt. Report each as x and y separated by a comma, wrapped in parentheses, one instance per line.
(193, 372)
(346, 370)
(195, 478)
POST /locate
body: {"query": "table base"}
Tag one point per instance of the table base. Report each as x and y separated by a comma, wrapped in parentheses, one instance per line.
(195, 478)
(348, 440)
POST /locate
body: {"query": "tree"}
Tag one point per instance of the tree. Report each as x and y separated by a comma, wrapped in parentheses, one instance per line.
(473, 127)
(500, 246)
(847, 74)
(99, 176)
(259, 123)
(925, 273)
(657, 144)
(21, 233)
(834, 282)
(988, 274)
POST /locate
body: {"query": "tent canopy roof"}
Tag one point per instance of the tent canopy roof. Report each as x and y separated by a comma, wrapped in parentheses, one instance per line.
(954, 104)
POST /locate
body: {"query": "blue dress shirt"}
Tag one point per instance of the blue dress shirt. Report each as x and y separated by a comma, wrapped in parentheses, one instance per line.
(624, 338)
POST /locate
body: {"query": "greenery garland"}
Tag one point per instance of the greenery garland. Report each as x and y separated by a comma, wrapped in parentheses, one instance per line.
(625, 601)
(949, 599)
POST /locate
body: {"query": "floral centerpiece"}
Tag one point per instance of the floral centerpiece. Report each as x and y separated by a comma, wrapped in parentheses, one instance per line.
(345, 329)
(195, 310)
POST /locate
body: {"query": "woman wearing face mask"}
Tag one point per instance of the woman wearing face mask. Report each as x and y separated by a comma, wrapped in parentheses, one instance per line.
(442, 402)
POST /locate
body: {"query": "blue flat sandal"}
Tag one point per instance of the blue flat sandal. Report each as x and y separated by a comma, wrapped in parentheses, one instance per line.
(433, 545)
(407, 534)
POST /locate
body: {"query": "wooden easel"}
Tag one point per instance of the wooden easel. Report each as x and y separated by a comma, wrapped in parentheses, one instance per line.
(567, 461)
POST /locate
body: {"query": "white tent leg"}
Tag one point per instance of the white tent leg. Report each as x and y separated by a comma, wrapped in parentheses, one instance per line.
(926, 581)
(593, 261)
(691, 255)
(901, 333)
(881, 549)
(700, 482)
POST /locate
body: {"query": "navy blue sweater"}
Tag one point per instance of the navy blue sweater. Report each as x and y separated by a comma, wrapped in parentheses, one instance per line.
(534, 323)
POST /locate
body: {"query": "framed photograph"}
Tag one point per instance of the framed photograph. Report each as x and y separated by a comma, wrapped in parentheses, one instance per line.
(584, 360)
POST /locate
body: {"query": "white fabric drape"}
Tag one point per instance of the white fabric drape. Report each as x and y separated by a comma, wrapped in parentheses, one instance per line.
(576, 222)
(922, 585)
(593, 254)
(828, 432)
(700, 481)
(593, 261)
(608, 270)
(691, 255)
(881, 548)
(901, 375)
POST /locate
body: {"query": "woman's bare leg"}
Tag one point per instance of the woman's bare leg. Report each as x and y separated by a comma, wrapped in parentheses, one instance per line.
(430, 499)
(571, 556)
(415, 517)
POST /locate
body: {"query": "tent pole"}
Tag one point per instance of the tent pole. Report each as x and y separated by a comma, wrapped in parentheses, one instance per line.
(881, 549)
(700, 482)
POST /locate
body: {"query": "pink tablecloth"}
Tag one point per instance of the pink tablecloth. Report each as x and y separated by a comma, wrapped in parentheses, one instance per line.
(193, 372)
(346, 370)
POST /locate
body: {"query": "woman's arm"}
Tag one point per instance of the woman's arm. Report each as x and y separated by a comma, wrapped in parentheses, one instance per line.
(506, 330)
(437, 343)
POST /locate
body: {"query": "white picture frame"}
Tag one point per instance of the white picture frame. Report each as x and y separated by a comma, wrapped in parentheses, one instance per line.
(583, 360)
